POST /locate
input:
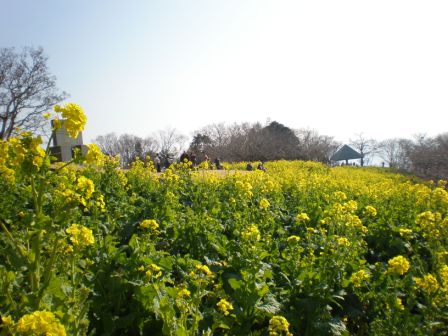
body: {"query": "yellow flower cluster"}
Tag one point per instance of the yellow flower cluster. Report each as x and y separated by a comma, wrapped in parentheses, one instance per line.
(149, 223)
(80, 235)
(399, 265)
(340, 196)
(74, 116)
(6, 321)
(170, 176)
(269, 186)
(154, 271)
(204, 270)
(224, 306)
(370, 211)
(302, 218)
(405, 232)
(358, 277)
(441, 195)
(94, 155)
(342, 241)
(21, 149)
(86, 187)
(183, 293)
(350, 206)
(37, 152)
(264, 204)
(355, 221)
(40, 323)
(245, 188)
(429, 221)
(293, 239)
(399, 304)
(443, 273)
(427, 284)
(278, 325)
(251, 233)
(17, 151)
(311, 230)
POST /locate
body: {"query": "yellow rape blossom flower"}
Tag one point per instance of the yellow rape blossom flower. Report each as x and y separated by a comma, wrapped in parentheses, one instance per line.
(264, 204)
(278, 325)
(251, 233)
(425, 219)
(405, 232)
(358, 277)
(293, 239)
(399, 265)
(94, 155)
(370, 211)
(399, 304)
(340, 196)
(311, 230)
(302, 218)
(68, 249)
(224, 306)
(444, 274)
(7, 320)
(205, 270)
(149, 224)
(183, 293)
(74, 116)
(4, 148)
(350, 206)
(342, 241)
(80, 235)
(86, 186)
(154, 271)
(57, 124)
(441, 195)
(8, 174)
(427, 284)
(40, 323)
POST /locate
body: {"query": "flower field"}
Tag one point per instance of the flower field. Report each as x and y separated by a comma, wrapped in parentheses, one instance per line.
(301, 249)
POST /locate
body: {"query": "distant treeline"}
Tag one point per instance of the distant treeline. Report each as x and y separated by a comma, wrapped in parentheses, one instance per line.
(426, 157)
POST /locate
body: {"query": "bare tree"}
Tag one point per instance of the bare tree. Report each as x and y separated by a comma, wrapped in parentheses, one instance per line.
(171, 143)
(364, 146)
(254, 141)
(395, 152)
(315, 147)
(129, 147)
(27, 89)
(429, 157)
(212, 140)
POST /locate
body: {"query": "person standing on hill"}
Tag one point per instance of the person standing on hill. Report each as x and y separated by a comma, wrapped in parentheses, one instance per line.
(184, 157)
(157, 163)
(193, 159)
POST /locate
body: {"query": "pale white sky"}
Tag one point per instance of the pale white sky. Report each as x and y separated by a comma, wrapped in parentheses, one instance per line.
(340, 67)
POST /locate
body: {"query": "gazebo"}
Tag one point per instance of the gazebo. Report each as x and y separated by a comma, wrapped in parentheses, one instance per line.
(346, 153)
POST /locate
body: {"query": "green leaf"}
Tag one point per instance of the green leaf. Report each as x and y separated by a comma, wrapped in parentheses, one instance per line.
(269, 305)
(235, 284)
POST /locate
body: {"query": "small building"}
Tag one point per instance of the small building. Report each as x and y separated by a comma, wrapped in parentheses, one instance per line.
(63, 145)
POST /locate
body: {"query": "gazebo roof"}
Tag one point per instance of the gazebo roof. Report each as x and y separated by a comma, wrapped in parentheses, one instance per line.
(345, 153)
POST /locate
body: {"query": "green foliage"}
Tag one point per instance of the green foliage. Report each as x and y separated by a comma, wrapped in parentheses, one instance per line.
(217, 253)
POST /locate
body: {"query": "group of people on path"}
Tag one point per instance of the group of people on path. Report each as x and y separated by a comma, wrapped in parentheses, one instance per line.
(260, 166)
(160, 163)
(191, 157)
